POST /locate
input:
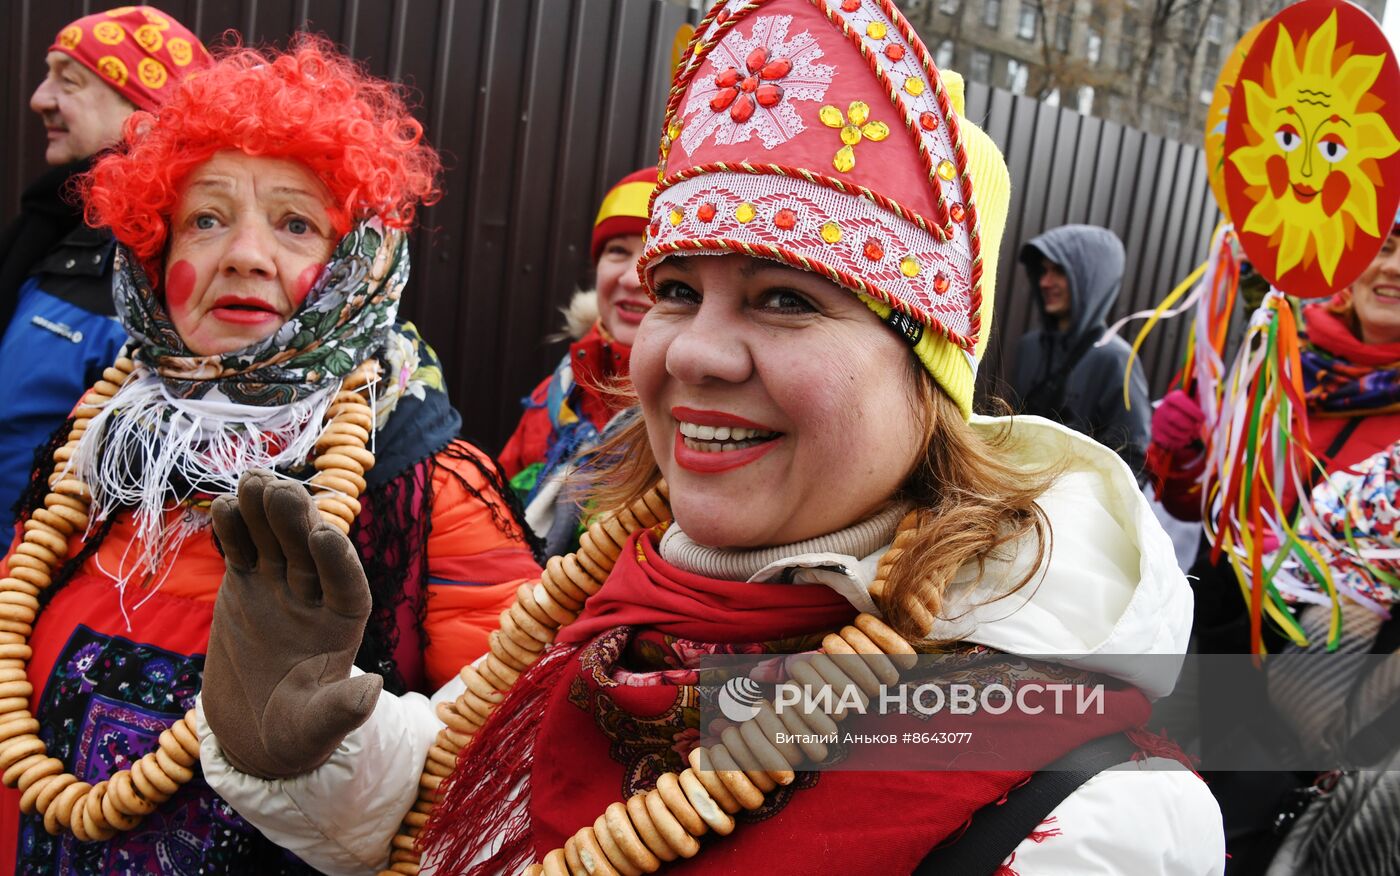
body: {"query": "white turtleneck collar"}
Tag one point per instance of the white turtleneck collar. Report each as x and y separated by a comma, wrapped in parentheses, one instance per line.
(845, 560)
(1109, 586)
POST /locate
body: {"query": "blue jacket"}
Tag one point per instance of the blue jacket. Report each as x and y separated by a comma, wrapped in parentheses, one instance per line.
(63, 334)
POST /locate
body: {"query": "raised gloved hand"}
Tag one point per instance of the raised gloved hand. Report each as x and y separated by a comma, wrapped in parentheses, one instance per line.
(1177, 421)
(288, 622)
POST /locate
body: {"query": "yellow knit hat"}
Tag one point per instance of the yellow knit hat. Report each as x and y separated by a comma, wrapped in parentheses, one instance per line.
(992, 184)
(821, 135)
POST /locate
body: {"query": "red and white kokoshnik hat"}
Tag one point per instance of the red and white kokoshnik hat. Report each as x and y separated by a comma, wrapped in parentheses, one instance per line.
(820, 134)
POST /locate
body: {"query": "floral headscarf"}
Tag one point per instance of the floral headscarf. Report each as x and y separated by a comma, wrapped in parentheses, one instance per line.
(184, 427)
(345, 317)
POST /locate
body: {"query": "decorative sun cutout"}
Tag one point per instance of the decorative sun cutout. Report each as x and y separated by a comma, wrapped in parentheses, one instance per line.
(1310, 143)
(1219, 112)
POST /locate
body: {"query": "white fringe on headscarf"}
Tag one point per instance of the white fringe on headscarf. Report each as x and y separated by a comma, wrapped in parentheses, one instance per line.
(145, 439)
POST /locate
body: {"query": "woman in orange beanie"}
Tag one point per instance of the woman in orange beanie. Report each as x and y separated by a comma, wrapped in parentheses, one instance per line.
(567, 412)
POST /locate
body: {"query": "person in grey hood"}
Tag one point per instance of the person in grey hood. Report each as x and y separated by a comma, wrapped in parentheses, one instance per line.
(1059, 372)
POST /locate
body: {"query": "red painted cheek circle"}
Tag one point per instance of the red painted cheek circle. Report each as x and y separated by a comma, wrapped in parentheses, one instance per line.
(1335, 192)
(179, 285)
(1277, 168)
(305, 280)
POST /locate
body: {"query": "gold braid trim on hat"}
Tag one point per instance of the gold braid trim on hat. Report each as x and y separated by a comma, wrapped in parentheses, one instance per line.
(663, 824)
(118, 803)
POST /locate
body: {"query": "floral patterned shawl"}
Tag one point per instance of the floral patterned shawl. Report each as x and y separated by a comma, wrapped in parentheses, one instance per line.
(184, 427)
(346, 316)
(617, 701)
(1343, 375)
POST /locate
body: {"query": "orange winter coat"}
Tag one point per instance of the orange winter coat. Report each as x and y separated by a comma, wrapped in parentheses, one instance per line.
(110, 671)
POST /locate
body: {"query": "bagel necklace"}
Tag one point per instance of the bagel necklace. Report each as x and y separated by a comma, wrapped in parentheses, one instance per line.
(650, 828)
(119, 803)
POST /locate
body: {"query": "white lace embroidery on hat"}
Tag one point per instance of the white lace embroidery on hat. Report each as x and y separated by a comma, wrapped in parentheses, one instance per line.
(720, 13)
(775, 125)
(829, 227)
(877, 32)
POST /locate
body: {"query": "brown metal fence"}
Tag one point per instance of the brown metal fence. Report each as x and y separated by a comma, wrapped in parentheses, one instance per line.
(538, 104)
(1067, 168)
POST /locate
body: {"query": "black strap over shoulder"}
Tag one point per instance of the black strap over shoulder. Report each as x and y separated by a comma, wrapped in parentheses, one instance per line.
(1312, 475)
(1340, 441)
(996, 831)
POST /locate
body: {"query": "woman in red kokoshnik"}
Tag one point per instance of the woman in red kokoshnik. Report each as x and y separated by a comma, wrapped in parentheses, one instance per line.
(805, 474)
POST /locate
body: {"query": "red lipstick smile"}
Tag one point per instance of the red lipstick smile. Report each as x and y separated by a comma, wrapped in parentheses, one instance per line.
(631, 312)
(715, 461)
(704, 462)
(715, 418)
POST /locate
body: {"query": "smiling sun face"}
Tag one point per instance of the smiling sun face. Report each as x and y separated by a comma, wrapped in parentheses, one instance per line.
(1308, 157)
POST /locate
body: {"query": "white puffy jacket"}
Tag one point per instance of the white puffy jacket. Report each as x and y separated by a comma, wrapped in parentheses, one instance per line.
(1110, 586)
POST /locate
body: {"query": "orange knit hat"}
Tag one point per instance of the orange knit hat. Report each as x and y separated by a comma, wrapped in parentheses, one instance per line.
(624, 209)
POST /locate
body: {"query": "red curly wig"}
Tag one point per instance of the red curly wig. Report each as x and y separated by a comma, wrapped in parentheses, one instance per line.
(309, 104)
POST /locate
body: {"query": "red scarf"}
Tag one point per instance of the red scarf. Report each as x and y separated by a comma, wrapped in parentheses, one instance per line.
(593, 723)
(646, 591)
(598, 362)
(1343, 375)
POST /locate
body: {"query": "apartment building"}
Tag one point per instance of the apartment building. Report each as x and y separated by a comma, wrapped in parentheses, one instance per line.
(1151, 64)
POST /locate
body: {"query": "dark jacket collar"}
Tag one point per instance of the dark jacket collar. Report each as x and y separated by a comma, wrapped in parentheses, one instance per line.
(45, 218)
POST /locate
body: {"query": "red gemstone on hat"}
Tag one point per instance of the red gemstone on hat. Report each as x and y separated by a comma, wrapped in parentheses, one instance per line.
(894, 52)
(769, 95)
(723, 99)
(928, 121)
(756, 59)
(728, 79)
(785, 219)
(940, 283)
(851, 6)
(722, 17)
(655, 227)
(957, 212)
(776, 68)
(873, 250)
(750, 84)
(706, 212)
(742, 110)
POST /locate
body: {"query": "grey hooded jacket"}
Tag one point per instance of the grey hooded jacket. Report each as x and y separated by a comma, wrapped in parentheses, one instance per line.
(1085, 394)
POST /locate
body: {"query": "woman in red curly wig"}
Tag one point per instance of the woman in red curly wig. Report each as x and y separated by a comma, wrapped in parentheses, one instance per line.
(262, 215)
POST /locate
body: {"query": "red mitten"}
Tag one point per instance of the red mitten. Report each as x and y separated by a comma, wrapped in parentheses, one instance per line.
(1177, 421)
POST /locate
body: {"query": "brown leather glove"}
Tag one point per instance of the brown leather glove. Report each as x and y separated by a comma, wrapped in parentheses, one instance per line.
(288, 622)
